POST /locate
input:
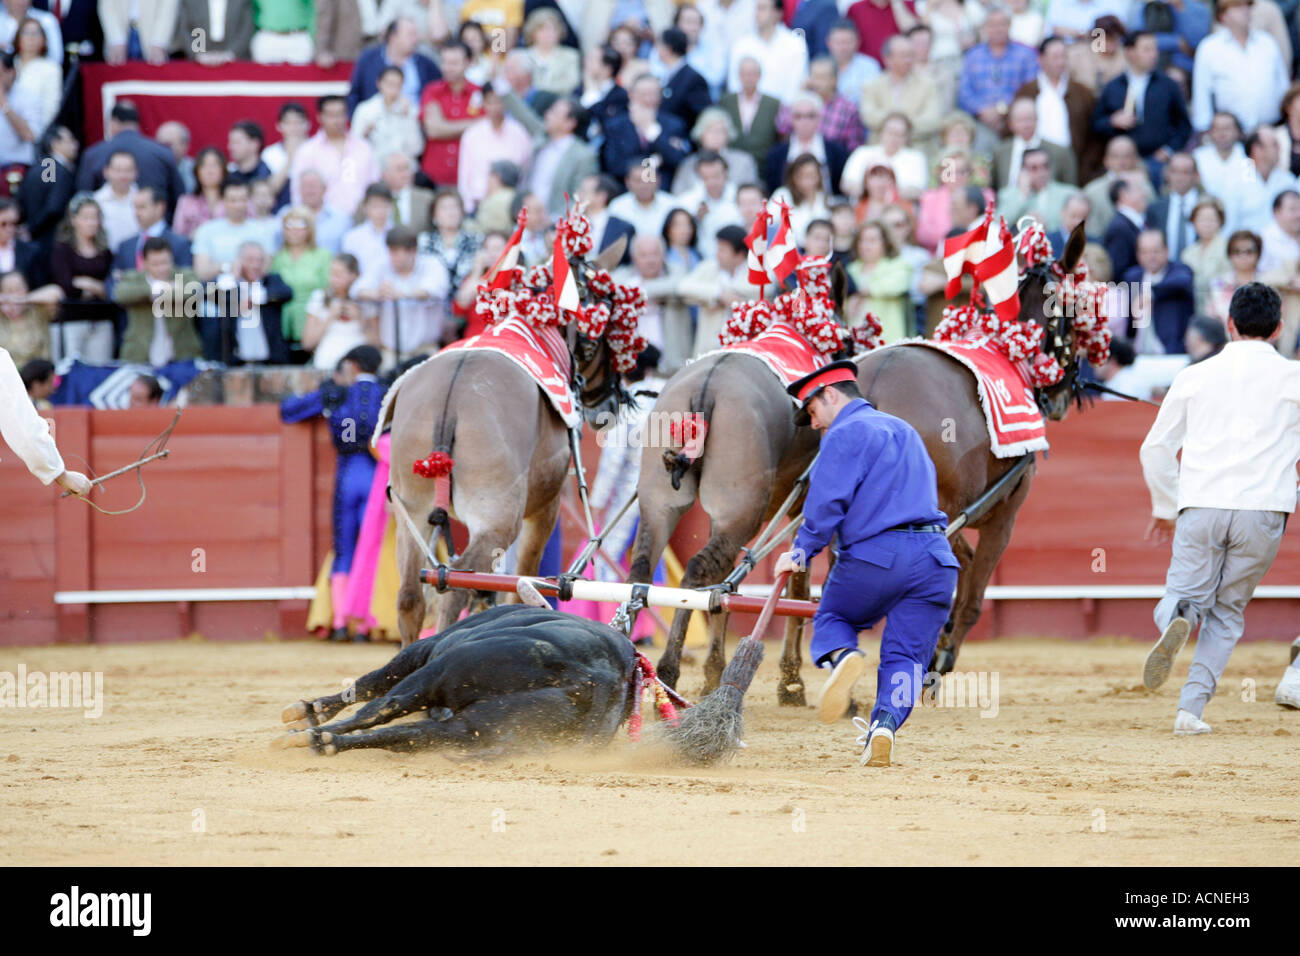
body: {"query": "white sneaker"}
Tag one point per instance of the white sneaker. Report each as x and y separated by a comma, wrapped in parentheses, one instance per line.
(1288, 691)
(1161, 659)
(877, 743)
(838, 692)
(1186, 724)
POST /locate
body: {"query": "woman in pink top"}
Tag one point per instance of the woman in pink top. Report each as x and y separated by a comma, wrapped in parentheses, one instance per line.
(934, 220)
(204, 203)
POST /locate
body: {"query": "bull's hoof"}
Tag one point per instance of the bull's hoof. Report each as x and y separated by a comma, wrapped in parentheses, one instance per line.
(943, 660)
(291, 740)
(791, 695)
(295, 712)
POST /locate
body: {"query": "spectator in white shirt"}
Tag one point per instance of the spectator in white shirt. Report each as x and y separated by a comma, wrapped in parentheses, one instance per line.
(368, 241)
(116, 198)
(725, 21)
(783, 54)
(643, 205)
(1073, 19)
(410, 295)
(908, 164)
(1237, 69)
(20, 117)
(1249, 203)
(712, 203)
(1281, 237)
(388, 120)
(13, 12)
(1236, 417)
(1220, 159)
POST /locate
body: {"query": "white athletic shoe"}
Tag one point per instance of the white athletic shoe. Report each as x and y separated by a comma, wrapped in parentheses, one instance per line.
(877, 743)
(838, 692)
(1161, 659)
(1288, 691)
(1187, 724)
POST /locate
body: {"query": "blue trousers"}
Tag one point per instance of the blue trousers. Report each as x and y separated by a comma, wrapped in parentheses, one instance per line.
(352, 480)
(911, 579)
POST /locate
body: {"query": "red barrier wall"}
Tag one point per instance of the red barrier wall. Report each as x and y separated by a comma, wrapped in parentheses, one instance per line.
(244, 501)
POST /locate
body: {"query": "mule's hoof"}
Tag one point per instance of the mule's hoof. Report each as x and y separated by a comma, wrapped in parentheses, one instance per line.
(943, 660)
(791, 695)
(294, 712)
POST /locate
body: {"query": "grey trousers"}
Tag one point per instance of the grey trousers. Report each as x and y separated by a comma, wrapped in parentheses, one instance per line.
(1218, 558)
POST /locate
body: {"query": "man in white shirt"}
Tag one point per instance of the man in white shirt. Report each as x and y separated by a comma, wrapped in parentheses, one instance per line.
(725, 21)
(367, 241)
(712, 202)
(1074, 19)
(1236, 417)
(1221, 159)
(783, 54)
(853, 69)
(411, 295)
(116, 198)
(28, 434)
(1237, 69)
(1249, 203)
(643, 205)
(1281, 237)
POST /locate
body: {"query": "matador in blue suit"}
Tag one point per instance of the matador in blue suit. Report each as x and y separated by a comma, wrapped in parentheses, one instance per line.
(351, 405)
(873, 488)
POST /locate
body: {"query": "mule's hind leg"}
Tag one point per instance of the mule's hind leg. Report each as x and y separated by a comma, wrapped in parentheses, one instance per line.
(490, 725)
(312, 713)
(411, 604)
(943, 658)
(708, 567)
(789, 688)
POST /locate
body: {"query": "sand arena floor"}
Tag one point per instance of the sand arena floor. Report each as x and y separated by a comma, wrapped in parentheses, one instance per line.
(1078, 766)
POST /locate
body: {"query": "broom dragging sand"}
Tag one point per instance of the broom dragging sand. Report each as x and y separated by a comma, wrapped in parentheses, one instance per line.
(711, 730)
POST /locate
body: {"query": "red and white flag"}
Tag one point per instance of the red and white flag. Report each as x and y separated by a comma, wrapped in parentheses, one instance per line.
(988, 254)
(566, 289)
(782, 256)
(502, 272)
(756, 241)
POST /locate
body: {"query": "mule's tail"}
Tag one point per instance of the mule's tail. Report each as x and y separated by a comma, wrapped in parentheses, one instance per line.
(686, 440)
(437, 468)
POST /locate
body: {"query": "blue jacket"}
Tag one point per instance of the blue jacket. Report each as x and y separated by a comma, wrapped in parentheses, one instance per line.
(872, 474)
(353, 412)
(1165, 121)
(124, 256)
(623, 149)
(371, 63)
(1172, 303)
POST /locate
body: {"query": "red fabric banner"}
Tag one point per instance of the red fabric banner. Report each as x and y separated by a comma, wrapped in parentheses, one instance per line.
(209, 100)
(784, 351)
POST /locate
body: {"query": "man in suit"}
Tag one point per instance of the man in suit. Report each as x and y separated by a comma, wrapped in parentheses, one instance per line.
(80, 22)
(412, 204)
(1121, 161)
(154, 162)
(602, 96)
(686, 93)
(1167, 301)
(1064, 107)
(562, 160)
(753, 114)
(1146, 104)
(398, 49)
(1120, 238)
(150, 212)
(246, 292)
(47, 188)
(596, 192)
(139, 288)
(806, 137)
(1036, 191)
(1008, 154)
(236, 34)
(646, 131)
(1076, 210)
(1172, 212)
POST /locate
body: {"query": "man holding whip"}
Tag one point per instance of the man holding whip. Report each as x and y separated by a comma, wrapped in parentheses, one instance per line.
(874, 488)
(28, 434)
(1236, 417)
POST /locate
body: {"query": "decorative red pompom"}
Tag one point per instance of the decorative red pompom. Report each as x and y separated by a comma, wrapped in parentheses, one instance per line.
(437, 465)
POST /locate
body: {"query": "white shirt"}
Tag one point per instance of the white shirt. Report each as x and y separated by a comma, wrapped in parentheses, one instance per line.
(216, 20)
(22, 427)
(418, 320)
(368, 245)
(720, 212)
(1216, 172)
(1279, 248)
(908, 164)
(722, 26)
(1080, 16)
(1236, 417)
(1053, 117)
(646, 220)
(1249, 202)
(1246, 81)
(120, 223)
(784, 59)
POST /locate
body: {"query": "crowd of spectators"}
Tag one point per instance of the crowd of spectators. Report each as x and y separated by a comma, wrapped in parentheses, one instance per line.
(1170, 128)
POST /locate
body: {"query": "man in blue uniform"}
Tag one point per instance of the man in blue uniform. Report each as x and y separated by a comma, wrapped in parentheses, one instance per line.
(874, 488)
(351, 404)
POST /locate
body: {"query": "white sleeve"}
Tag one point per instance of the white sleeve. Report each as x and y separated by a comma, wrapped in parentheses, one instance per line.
(1159, 453)
(24, 430)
